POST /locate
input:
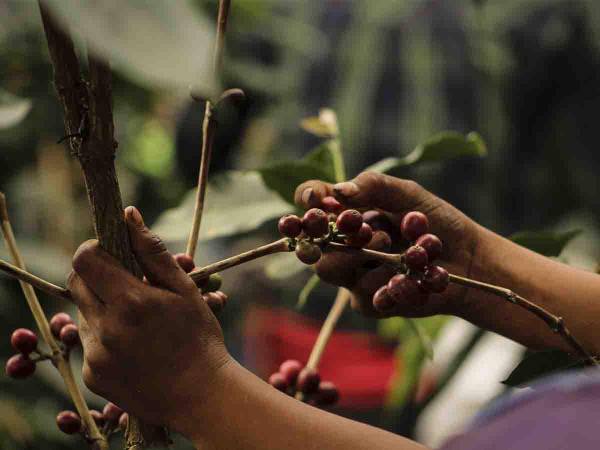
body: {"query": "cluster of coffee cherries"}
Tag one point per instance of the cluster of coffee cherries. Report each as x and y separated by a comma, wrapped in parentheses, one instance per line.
(109, 421)
(421, 278)
(25, 342)
(293, 378)
(319, 225)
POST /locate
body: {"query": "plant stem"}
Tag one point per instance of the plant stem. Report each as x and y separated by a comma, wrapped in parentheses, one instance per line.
(341, 301)
(58, 358)
(556, 323)
(39, 283)
(282, 245)
(209, 130)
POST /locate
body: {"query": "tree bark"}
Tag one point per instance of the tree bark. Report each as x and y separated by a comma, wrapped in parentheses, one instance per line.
(89, 123)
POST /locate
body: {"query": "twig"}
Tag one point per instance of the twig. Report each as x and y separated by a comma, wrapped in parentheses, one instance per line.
(37, 282)
(341, 301)
(209, 130)
(58, 358)
(556, 323)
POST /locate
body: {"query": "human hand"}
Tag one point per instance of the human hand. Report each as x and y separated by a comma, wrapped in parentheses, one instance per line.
(156, 338)
(392, 198)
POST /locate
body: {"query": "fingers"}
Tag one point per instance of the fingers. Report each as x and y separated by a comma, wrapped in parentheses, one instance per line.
(311, 193)
(375, 190)
(102, 273)
(85, 299)
(158, 265)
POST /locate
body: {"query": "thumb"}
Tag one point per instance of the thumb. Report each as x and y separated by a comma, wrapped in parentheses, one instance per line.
(152, 255)
(376, 190)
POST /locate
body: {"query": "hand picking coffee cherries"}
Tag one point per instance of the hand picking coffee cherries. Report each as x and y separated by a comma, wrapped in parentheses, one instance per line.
(420, 278)
(293, 378)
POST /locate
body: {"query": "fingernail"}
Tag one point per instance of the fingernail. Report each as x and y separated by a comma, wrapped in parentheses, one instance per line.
(134, 216)
(307, 196)
(346, 189)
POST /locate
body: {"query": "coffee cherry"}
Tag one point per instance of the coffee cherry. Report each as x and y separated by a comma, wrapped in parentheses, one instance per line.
(331, 205)
(436, 279)
(185, 262)
(69, 335)
(404, 289)
(290, 370)
(98, 417)
(382, 300)
(24, 340)
(315, 223)
(362, 238)
(308, 380)
(123, 420)
(414, 225)
(349, 221)
(214, 283)
(290, 226)
(68, 422)
(19, 366)
(416, 258)
(58, 321)
(278, 381)
(327, 394)
(308, 252)
(112, 413)
(378, 221)
(216, 302)
(432, 245)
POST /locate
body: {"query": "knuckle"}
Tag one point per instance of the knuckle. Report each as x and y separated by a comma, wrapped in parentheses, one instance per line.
(82, 259)
(155, 244)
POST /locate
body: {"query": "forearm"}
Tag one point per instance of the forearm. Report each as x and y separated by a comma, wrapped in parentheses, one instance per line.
(246, 413)
(564, 291)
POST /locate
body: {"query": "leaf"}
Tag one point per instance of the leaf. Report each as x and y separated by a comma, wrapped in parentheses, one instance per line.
(324, 125)
(443, 146)
(283, 265)
(238, 204)
(12, 109)
(310, 286)
(284, 177)
(538, 364)
(547, 243)
(422, 336)
(153, 42)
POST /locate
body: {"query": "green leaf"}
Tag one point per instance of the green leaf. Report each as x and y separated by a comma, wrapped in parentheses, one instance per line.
(422, 336)
(310, 286)
(238, 204)
(12, 109)
(284, 177)
(324, 125)
(443, 146)
(538, 364)
(547, 243)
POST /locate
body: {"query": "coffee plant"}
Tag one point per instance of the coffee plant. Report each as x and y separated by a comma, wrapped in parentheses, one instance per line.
(328, 228)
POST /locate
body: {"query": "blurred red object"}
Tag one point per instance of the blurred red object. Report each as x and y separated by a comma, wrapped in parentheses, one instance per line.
(359, 364)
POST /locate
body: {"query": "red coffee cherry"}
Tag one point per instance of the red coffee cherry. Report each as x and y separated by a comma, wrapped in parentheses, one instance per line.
(68, 422)
(349, 221)
(308, 252)
(278, 381)
(327, 394)
(123, 420)
(432, 245)
(24, 340)
(416, 258)
(378, 221)
(69, 335)
(112, 413)
(185, 262)
(308, 381)
(436, 279)
(290, 370)
(290, 226)
(414, 225)
(404, 289)
(98, 417)
(315, 223)
(362, 238)
(20, 366)
(382, 300)
(58, 321)
(331, 205)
